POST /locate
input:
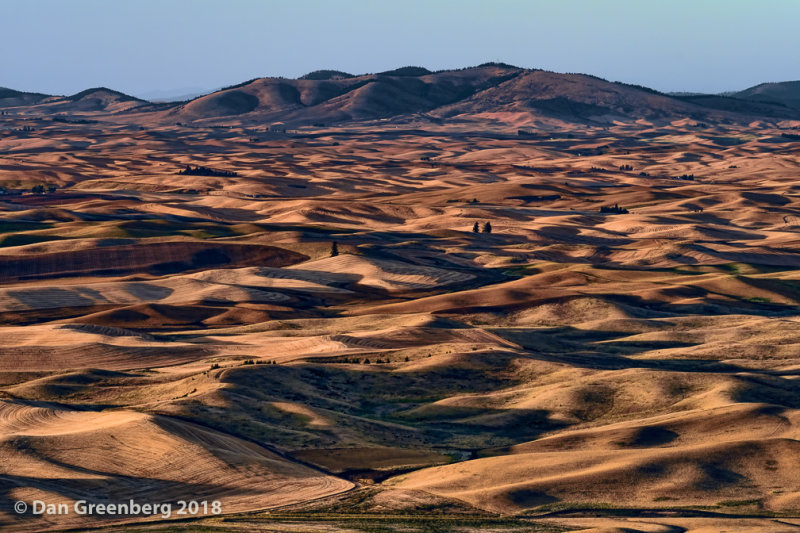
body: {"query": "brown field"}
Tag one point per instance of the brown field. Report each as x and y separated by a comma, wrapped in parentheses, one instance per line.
(168, 337)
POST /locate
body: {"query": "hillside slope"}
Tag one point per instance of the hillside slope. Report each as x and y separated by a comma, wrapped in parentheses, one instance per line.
(493, 91)
(785, 93)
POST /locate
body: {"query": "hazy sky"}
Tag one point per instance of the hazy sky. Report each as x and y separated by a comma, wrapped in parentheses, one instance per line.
(140, 46)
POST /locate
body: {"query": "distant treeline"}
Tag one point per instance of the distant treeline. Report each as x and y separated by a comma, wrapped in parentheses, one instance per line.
(205, 171)
(36, 189)
(66, 120)
(542, 170)
(536, 198)
(615, 209)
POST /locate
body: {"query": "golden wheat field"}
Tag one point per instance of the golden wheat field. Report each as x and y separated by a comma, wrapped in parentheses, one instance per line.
(495, 316)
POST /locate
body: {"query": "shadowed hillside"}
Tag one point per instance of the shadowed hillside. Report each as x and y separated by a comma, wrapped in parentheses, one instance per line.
(488, 299)
(785, 93)
(495, 91)
(12, 98)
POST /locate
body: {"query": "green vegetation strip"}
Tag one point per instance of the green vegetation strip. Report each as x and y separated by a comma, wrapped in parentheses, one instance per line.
(367, 523)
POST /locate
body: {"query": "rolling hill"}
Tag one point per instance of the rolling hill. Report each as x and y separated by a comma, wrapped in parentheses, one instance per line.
(785, 93)
(12, 98)
(492, 91)
(338, 98)
(311, 326)
(89, 101)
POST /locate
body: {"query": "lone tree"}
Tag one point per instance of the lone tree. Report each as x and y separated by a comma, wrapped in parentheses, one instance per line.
(487, 228)
(334, 249)
(476, 228)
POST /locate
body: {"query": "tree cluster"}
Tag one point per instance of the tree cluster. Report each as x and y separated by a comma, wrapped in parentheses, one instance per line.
(614, 209)
(205, 171)
(40, 189)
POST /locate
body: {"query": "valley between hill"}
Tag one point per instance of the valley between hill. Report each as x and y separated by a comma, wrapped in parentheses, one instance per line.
(169, 336)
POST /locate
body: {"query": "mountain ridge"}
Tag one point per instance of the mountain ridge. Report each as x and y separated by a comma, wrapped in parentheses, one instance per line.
(495, 91)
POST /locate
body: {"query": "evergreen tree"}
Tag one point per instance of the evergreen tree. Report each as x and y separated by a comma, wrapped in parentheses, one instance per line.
(487, 228)
(475, 228)
(334, 249)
